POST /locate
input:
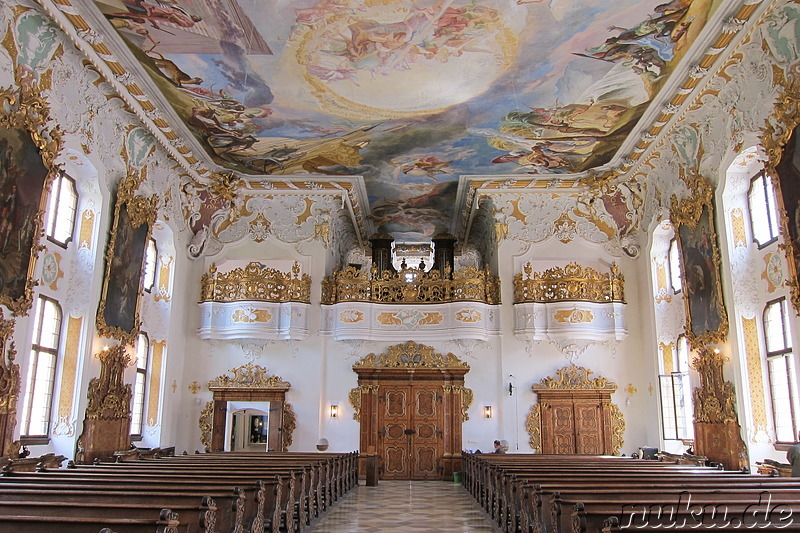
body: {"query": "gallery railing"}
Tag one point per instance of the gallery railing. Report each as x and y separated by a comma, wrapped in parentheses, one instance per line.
(571, 283)
(255, 282)
(410, 285)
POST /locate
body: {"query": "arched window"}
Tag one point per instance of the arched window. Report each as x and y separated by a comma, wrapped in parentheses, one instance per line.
(61, 207)
(137, 409)
(674, 266)
(781, 370)
(763, 210)
(41, 370)
(150, 260)
(676, 396)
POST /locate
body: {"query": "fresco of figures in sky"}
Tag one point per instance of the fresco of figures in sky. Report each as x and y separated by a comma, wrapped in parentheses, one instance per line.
(409, 94)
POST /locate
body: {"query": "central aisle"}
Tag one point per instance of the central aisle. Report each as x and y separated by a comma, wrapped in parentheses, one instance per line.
(405, 507)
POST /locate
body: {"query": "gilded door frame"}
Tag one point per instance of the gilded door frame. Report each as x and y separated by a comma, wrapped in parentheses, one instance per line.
(249, 383)
(413, 363)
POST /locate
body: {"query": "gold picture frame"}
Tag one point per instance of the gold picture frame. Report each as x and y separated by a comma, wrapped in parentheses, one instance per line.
(783, 174)
(118, 312)
(27, 169)
(693, 220)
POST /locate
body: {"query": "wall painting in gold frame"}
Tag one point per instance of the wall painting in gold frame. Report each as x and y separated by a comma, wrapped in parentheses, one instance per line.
(118, 313)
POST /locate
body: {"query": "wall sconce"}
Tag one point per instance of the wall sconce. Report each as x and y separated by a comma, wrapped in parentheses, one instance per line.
(334, 411)
(487, 411)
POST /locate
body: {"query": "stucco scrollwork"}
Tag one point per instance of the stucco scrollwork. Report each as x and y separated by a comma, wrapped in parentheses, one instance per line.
(411, 355)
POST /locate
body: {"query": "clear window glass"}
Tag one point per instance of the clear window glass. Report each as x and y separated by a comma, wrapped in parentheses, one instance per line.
(137, 409)
(676, 397)
(36, 407)
(781, 370)
(763, 210)
(150, 260)
(61, 207)
(675, 267)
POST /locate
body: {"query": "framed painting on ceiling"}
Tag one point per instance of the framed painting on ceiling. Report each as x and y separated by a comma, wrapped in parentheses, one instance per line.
(26, 173)
(118, 313)
(706, 318)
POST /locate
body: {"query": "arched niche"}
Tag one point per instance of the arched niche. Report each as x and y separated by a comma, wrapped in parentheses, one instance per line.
(248, 383)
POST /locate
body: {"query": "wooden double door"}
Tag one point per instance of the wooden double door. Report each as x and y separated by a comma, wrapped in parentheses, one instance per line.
(576, 424)
(410, 422)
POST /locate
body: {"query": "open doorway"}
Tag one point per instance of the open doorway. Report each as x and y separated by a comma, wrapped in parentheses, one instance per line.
(247, 427)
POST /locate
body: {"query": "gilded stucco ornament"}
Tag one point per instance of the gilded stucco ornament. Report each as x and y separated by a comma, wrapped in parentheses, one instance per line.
(467, 397)
(248, 376)
(574, 377)
(411, 355)
(355, 402)
(9, 386)
(206, 424)
(289, 425)
(255, 282)
(533, 426)
(571, 283)
(410, 285)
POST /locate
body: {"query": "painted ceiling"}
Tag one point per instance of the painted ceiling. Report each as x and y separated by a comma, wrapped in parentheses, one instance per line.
(409, 94)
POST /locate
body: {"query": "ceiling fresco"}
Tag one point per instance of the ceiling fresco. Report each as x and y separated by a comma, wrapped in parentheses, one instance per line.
(409, 94)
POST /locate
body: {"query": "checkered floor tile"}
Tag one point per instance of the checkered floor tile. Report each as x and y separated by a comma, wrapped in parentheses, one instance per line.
(405, 507)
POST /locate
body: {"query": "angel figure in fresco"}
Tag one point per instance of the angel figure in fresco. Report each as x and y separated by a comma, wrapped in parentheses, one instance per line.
(142, 11)
(428, 166)
(537, 160)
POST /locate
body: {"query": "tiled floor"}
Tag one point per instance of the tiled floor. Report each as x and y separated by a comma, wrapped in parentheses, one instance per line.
(405, 507)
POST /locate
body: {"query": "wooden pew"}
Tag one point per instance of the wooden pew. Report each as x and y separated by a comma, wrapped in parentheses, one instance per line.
(165, 522)
(530, 493)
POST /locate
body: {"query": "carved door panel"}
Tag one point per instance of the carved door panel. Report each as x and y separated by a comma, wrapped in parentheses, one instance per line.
(563, 424)
(588, 428)
(410, 438)
(394, 442)
(574, 426)
(427, 442)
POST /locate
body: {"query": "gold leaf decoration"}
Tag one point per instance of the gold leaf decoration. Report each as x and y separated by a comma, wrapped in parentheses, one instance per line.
(255, 282)
(410, 285)
(574, 377)
(411, 355)
(289, 425)
(206, 424)
(571, 283)
(248, 376)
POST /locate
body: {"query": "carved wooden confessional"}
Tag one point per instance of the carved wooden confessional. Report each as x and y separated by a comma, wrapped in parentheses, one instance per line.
(574, 415)
(411, 403)
(249, 383)
(107, 422)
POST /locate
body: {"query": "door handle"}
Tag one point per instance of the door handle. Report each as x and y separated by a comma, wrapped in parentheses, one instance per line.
(409, 432)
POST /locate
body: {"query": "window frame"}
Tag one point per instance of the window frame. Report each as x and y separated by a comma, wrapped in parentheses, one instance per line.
(770, 209)
(677, 374)
(36, 349)
(155, 265)
(143, 373)
(786, 352)
(673, 269)
(56, 189)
